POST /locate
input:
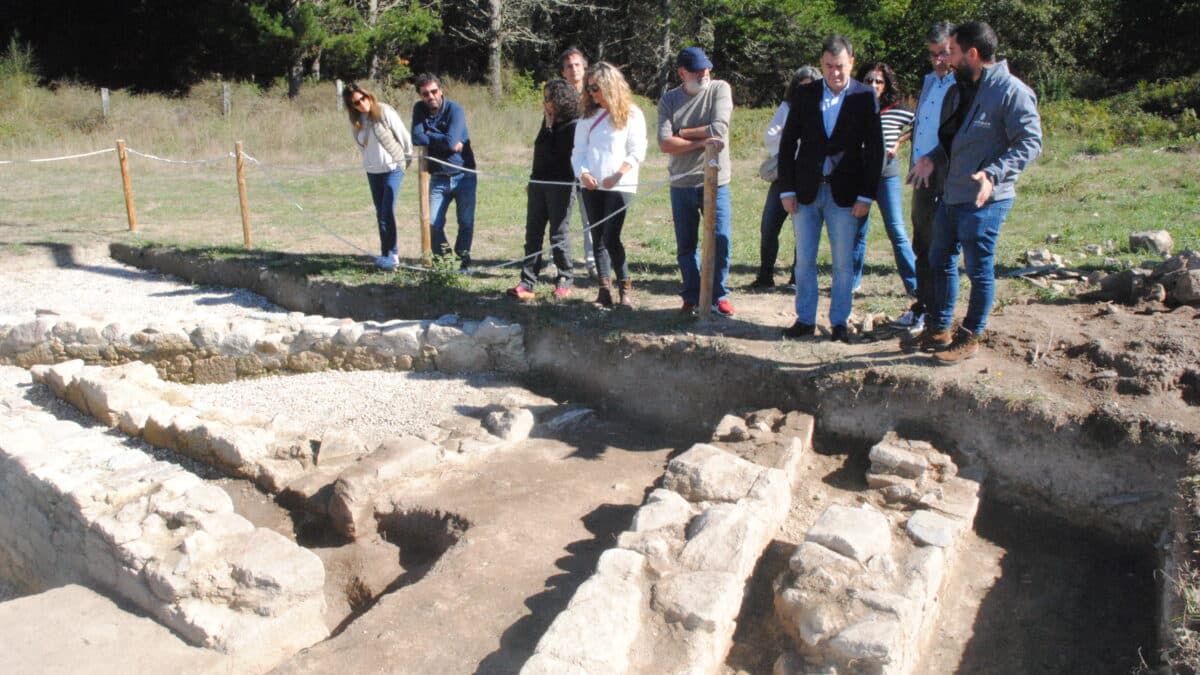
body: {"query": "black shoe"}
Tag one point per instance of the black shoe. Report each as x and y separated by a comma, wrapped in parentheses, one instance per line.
(761, 284)
(840, 334)
(799, 330)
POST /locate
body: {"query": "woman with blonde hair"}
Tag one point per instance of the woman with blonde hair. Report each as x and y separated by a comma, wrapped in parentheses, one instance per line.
(385, 143)
(610, 143)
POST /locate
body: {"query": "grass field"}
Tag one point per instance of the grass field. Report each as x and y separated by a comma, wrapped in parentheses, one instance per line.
(310, 162)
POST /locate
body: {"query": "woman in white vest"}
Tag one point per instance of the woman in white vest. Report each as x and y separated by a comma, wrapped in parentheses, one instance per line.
(386, 152)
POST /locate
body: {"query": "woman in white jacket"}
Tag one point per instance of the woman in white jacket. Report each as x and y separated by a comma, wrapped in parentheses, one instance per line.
(386, 151)
(610, 143)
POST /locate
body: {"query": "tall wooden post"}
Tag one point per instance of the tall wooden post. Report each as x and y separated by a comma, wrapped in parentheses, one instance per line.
(242, 201)
(708, 250)
(423, 185)
(127, 184)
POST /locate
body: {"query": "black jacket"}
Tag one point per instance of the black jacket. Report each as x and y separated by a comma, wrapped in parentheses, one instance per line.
(856, 136)
(552, 152)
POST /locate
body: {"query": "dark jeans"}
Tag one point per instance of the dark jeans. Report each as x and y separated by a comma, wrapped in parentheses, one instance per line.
(547, 204)
(606, 237)
(924, 208)
(443, 189)
(384, 187)
(974, 231)
(773, 217)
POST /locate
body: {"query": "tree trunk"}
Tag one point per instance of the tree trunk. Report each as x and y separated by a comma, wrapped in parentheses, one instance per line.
(666, 57)
(315, 69)
(372, 19)
(494, 47)
(296, 75)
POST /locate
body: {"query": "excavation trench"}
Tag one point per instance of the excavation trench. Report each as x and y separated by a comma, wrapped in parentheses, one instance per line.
(1059, 574)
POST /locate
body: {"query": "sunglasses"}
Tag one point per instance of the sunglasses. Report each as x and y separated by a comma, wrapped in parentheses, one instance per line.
(429, 92)
(874, 80)
(356, 101)
(592, 88)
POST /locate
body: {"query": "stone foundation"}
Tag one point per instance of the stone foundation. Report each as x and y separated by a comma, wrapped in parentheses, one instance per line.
(863, 589)
(666, 598)
(78, 506)
(262, 343)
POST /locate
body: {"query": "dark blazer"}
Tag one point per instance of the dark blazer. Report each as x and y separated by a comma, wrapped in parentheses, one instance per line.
(857, 136)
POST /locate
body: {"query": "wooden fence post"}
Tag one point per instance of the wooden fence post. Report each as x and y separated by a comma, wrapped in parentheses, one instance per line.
(104, 101)
(127, 184)
(423, 185)
(708, 248)
(242, 201)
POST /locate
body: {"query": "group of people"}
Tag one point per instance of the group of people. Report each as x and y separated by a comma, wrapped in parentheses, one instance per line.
(834, 143)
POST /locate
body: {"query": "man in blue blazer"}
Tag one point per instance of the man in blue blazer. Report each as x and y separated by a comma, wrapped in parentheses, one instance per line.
(831, 153)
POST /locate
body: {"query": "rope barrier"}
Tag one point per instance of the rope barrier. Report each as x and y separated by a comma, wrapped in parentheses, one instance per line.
(489, 174)
(57, 159)
(228, 155)
(304, 169)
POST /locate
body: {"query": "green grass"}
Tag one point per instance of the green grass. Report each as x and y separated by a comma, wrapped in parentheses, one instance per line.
(1083, 198)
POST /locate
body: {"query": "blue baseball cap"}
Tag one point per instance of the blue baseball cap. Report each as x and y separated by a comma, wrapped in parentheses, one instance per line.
(693, 60)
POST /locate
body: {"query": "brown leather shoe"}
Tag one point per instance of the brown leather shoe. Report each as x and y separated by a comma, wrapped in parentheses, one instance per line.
(964, 346)
(625, 293)
(928, 340)
(604, 298)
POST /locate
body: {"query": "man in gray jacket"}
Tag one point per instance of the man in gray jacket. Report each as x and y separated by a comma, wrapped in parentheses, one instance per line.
(985, 142)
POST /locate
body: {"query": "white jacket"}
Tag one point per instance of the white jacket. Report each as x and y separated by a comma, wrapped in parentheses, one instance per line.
(375, 157)
(600, 149)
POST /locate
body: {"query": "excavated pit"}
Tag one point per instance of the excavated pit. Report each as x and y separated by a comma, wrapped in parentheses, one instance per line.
(1059, 574)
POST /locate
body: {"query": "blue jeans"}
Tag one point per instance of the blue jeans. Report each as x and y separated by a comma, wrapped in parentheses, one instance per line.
(975, 231)
(687, 203)
(843, 227)
(384, 187)
(460, 188)
(890, 206)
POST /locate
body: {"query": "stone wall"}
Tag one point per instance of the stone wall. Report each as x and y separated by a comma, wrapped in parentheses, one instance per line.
(666, 598)
(78, 506)
(183, 349)
(862, 591)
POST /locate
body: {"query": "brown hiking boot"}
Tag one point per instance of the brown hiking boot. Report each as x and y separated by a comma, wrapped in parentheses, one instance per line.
(963, 347)
(604, 298)
(928, 340)
(625, 293)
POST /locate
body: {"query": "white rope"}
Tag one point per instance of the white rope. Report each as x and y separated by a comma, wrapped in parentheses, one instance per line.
(670, 179)
(313, 219)
(57, 159)
(304, 169)
(180, 161)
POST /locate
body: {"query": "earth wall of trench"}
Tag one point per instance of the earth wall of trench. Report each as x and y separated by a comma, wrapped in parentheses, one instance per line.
(1108, 473)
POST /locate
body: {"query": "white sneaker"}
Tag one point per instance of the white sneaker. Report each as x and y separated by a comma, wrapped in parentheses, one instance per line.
(388, 262)
(908, 319)
(918, 324)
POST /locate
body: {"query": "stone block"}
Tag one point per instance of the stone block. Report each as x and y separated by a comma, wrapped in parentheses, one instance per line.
(726, 538)
(930, 529)
(700, 601)
(462, 356)
(357, 486)
(511, 424)
(268, 561)
(1183, 286)
(493, 332)
(1155, 241)
(731, 428)
(886, 457)
(874, 642)
(811, 556)
(544, 664)
(663, 508)
(857, 533)
(439, 335)
(339, 445)
(598, 628)
(707, 473)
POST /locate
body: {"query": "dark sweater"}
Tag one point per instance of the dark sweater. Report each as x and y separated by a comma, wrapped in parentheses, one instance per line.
(552, 152)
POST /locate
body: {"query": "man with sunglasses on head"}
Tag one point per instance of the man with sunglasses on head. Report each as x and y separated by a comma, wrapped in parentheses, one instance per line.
(924, 139)
(440, 125)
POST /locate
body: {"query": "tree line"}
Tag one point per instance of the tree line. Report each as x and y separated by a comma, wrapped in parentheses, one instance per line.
(1061, 47)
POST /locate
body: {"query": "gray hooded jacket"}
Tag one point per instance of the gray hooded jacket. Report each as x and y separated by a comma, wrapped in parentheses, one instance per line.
(1000, 135)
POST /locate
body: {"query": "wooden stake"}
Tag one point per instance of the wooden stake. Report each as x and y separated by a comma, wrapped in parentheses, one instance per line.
(242, 201)
(126, 183)
(423, 185)
(708, 250)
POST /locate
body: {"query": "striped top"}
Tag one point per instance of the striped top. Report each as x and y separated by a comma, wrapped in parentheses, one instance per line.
(894, 120)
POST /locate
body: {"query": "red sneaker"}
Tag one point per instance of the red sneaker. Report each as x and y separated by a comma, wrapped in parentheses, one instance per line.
(562, 292)
(521, 293)
(723, 308)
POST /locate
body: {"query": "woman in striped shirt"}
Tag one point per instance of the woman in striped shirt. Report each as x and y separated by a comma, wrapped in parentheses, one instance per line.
(896, 121)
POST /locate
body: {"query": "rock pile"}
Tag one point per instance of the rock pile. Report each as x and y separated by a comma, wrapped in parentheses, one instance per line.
(78, 506)
(666, 598)
(862, 591)
(211, 351)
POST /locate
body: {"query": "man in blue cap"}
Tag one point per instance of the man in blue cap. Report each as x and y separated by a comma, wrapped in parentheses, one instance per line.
(690, 117)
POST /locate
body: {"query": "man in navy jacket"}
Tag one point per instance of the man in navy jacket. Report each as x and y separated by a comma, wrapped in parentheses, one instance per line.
(831, 178)
(440, 125)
